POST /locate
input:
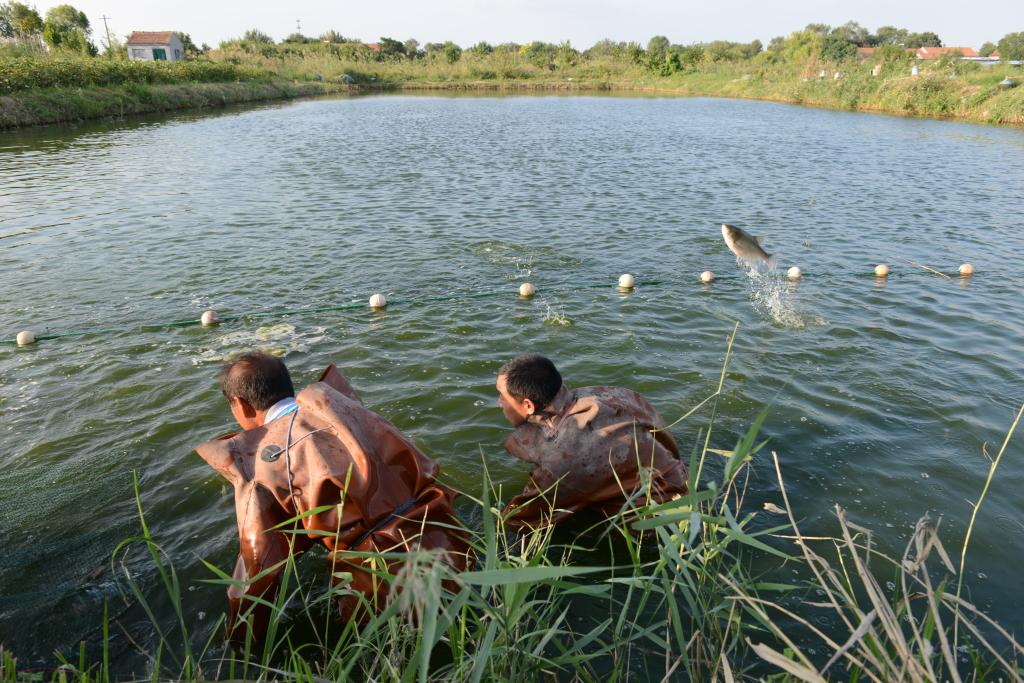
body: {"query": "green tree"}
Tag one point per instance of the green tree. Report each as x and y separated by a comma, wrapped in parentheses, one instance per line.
(925, 39)
(452, 52)
(391, 48)
(481, 49)
(852, 32)
(68, 28)
(605, 48)
(890, 35)
(1011, 46)
(656, 49)
(189, 47)
(798, 47)
(539, 53)
(297, 38)
(672, 63)
(721, 51)
(689, 55)
(412, 48)
(255, 35)
(986, 49)
(634, 52)
(566, 55)
(18, 20)
(837, 49)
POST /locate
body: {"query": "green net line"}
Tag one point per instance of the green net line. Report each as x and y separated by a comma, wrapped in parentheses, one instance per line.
(411, 301)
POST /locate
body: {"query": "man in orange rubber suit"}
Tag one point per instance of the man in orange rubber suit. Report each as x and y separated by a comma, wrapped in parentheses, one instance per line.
(321, 448)
(591, 447)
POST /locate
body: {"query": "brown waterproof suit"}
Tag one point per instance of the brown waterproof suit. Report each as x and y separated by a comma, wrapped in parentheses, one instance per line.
(335, 452)
(589, 447)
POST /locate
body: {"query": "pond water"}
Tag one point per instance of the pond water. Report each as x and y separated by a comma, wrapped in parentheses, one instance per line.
(883, 392)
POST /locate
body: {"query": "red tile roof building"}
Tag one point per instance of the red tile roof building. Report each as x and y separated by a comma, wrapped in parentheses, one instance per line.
(150, 37)
(936, 52)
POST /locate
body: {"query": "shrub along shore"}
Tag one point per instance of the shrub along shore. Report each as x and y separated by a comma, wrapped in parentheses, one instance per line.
(43, 89)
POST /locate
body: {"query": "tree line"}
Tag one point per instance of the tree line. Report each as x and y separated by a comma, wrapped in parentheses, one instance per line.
(68, 29)
(62, 27)
(832, 43)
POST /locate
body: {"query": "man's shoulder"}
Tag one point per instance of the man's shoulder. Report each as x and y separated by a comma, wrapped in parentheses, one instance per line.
(614, 400)
(321, 398)
(605, 393)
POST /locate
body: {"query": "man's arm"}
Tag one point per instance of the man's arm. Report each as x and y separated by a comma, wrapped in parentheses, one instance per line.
(520, 444)
(260, 551)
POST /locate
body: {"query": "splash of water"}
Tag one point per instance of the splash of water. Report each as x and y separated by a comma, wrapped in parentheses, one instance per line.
(778, 299)
(280, 340)
(559, 318)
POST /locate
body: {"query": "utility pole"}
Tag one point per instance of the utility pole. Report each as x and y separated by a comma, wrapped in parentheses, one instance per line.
(298, 26)
(106, 29)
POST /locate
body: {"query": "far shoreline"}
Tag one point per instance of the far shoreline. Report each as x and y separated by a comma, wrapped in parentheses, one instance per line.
(70, 106)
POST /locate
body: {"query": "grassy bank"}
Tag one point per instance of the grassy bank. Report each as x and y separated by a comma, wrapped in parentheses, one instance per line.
(36, 88)
(677, 591)
(947, 88)
(39, 106)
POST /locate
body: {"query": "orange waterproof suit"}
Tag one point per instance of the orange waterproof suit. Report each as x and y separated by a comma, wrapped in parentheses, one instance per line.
(302, 461)
(589, 447)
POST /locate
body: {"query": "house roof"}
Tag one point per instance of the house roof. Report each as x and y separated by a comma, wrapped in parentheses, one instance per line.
(865, 51)
(936, 52)
(150, 37)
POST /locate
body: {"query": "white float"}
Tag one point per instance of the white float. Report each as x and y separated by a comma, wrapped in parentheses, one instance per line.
(378, 301)
(967, 269)
(25, 338)
(526, 290)
(794, 273)
(209, 318)
(882, 270)
(707, 276)
(626, 281)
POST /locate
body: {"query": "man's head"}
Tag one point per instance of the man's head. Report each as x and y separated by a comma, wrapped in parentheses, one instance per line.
(526, 385)
(252, 383)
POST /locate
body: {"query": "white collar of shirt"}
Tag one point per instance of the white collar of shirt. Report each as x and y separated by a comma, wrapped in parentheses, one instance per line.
(281, 408)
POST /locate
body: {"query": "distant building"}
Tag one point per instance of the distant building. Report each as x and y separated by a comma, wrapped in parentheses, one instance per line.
(865, 52)
(936, 52)
(155, 46)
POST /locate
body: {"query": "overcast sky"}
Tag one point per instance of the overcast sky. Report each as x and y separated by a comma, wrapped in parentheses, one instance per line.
(958, 23)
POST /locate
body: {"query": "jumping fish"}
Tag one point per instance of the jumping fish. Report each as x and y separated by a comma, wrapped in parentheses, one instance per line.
(745, 246)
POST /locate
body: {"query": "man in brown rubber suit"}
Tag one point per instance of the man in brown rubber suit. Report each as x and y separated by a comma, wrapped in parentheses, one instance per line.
(321, 448)
(592, 447)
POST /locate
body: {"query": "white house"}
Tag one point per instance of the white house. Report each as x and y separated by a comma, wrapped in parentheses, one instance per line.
(159, 46)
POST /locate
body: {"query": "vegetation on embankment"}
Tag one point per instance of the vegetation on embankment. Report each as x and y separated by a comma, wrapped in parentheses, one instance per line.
(875, 72)
(59, 105)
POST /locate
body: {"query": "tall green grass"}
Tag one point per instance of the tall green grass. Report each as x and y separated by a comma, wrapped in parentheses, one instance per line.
(657, 592)
(28, 72)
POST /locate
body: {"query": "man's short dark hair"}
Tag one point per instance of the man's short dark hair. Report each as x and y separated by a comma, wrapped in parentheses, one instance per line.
(261, 379)
(532, 376)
